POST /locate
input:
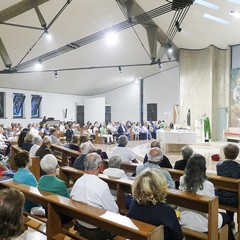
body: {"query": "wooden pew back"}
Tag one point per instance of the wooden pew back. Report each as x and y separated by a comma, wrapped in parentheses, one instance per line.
(35, 168)
(57, 205)
(219, 182)
(175, 197)
(65, 153)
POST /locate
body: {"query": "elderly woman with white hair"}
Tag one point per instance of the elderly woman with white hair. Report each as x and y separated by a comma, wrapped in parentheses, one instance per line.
(113, 169)
(50, 182)
(37, 142)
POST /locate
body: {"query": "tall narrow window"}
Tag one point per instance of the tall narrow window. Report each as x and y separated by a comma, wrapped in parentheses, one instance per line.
(35, 106)
(18, 100)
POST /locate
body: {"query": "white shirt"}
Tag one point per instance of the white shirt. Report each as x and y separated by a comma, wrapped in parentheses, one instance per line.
(126, 154)
(34, 131)
(33, 149)
(198, 220)
(115, 172)
(90, 189)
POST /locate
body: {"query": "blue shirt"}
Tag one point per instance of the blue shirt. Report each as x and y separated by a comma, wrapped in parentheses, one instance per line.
(24, 176)
(167, 175)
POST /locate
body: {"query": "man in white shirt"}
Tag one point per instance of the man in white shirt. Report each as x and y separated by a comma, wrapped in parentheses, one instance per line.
(126, 154)
(90, 189)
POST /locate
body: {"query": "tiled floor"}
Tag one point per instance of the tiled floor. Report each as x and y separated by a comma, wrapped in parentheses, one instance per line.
(140, 148)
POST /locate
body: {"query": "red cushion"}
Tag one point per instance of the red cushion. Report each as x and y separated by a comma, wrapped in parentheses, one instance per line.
(215, 157)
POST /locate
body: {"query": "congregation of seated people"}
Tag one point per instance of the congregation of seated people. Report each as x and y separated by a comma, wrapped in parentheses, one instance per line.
(92, 190)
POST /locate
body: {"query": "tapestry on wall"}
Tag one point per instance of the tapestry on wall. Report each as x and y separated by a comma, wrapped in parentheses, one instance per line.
(235, 98)
(18, 100)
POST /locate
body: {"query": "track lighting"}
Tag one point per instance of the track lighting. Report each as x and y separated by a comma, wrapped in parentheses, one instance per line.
(55, 73)
(178, 26)
(170, 50)
(120, 69)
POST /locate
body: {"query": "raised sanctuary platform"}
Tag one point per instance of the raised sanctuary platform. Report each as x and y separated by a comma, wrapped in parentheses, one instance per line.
(174, 140)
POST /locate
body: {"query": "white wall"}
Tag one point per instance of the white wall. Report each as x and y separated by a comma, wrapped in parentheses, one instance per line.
(162, 89)
(94, 109)
(52, 105)
(124, 102)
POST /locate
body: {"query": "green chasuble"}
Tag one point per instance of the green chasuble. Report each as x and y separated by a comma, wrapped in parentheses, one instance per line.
(207, 129)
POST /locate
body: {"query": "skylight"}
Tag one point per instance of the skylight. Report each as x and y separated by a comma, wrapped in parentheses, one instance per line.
(207, 4)
(216, 19)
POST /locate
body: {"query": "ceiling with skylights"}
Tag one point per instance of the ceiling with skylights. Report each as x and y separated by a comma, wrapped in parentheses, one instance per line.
(103, 63)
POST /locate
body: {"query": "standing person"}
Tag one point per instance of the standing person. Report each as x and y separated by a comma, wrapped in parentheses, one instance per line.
(195, 181)
(11, 213)
(69, 133)
(229, 168)
(90, 189)
(149, 190)
(207, 128)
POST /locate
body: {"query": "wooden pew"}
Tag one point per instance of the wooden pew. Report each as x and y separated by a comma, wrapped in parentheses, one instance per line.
(35, 168)
(65, 153)
(175, 197)
(115, 223)
(219, 182)
(121, 225)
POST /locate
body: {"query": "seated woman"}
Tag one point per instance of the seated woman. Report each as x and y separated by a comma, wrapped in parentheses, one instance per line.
(229, 168)
(195, 181)
(187, 152)
(149, 190)
(28, 142)
(11, 213)
(50, 182)
(74, 145)
(113, 169)
(23, 175)
(37, 142)
(21, 136)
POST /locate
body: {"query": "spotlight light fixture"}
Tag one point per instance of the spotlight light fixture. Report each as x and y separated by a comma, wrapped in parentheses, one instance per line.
(111, 38)
(48, 35)
(38, 65)
(55, 73)
(170, 50)
(120, 69)
(177, 25)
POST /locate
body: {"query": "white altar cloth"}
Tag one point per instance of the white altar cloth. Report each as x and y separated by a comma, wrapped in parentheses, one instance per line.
(176, 137)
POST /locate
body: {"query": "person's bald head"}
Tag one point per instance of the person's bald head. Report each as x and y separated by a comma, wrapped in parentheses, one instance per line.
(155, 155)
(155, 143)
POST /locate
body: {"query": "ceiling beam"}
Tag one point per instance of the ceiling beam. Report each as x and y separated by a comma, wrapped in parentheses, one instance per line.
(17, 9)
(4, 55)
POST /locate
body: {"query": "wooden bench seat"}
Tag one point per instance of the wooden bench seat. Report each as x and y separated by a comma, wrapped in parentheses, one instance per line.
(35, 168)
(57, 205)
(65, 153)
(219, 182)
(175, 197)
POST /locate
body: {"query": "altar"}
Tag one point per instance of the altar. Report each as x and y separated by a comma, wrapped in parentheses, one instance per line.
(174, 140)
